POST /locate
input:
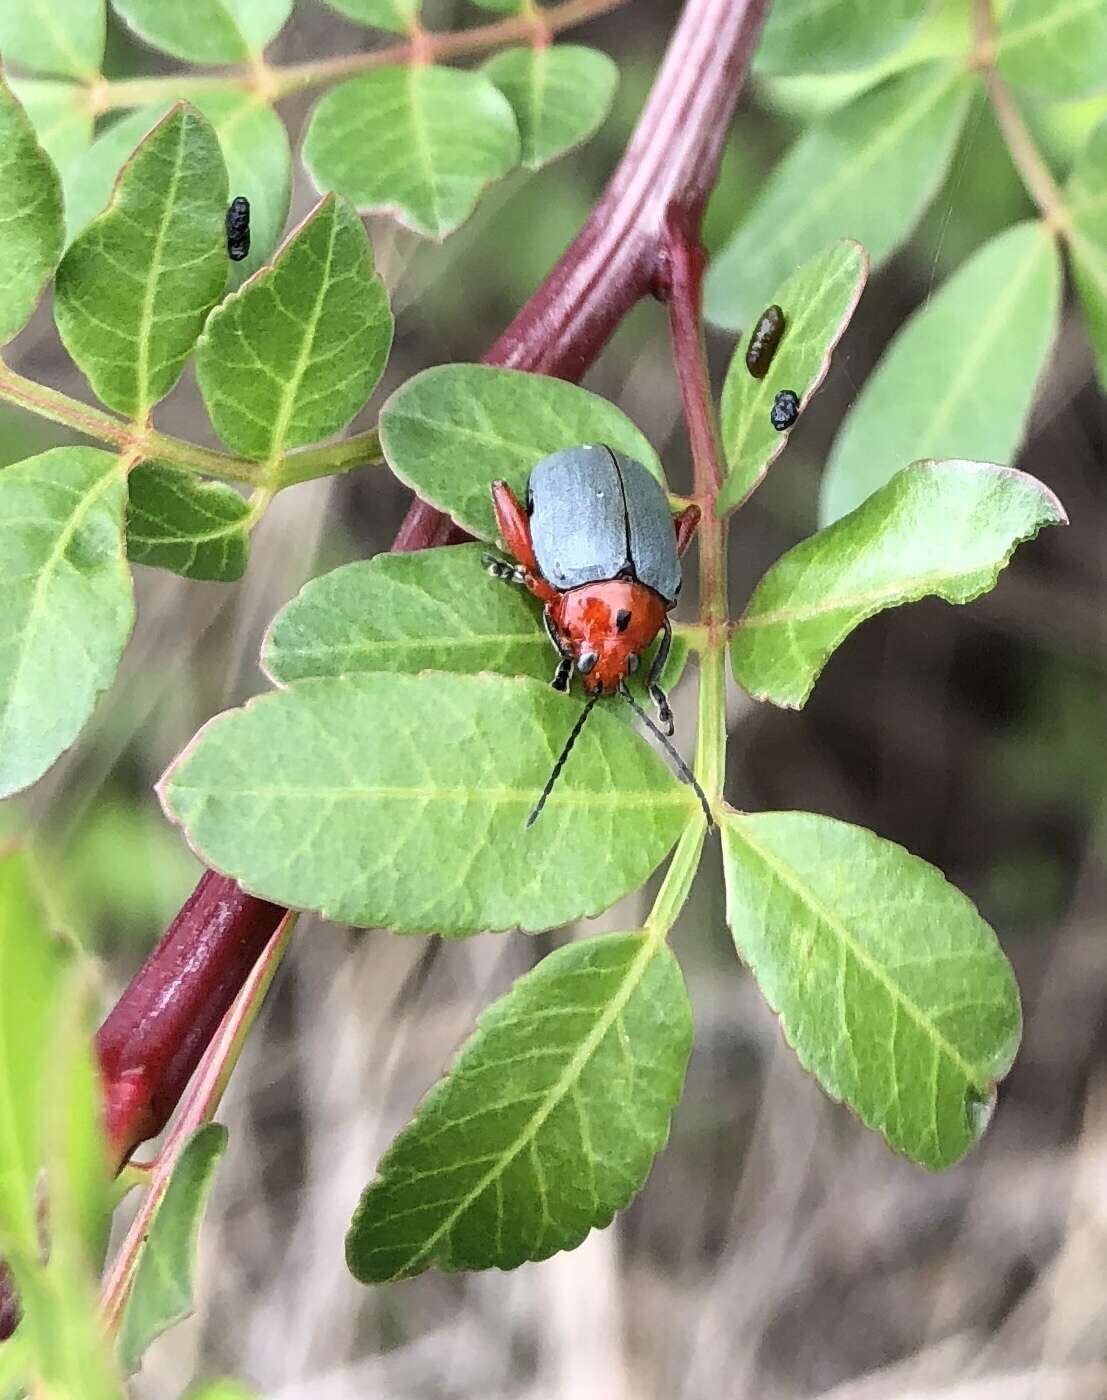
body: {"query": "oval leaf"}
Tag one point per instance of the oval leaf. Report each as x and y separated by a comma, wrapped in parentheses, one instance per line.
(958, 379)
(937, 529)
(199, 529)
(865, 172)
(546, 1124)
(889, 985)
(30, 216)
(396, 15)
(207, 31)
(434, 609)
(1086, 198)
(134, 288)
(818, 301)
(54, 36)
(295, 353)
(834, 36)
(68, 606)
(399, 801)
(560, 95)
(161, 1294)
(454, 429)
(1055, 48)
(418, 142)
(61, 117)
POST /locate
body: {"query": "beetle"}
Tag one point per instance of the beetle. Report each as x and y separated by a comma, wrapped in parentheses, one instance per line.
(238, 228)
(596, 543)
(764, 340)
(785, 410)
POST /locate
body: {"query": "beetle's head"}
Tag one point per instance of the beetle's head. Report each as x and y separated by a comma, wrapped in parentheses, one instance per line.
(606, 627)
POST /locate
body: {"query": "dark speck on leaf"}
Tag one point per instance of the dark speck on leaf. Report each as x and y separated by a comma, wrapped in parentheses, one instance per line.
(785, 410)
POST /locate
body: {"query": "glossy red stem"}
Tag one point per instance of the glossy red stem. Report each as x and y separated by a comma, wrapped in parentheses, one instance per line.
(153, 1038)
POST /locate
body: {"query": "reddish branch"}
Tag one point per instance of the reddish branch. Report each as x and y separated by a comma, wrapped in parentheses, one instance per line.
(154, 1037)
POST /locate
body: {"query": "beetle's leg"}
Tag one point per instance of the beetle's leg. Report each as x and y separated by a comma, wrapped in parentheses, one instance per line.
(553, 634)
(563, 675)
(514, 526)
(657, 695)
(506, 573)
(685, 525)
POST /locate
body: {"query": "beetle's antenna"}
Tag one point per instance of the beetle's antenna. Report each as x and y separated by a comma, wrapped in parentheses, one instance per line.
(681, 767)
(560, 764)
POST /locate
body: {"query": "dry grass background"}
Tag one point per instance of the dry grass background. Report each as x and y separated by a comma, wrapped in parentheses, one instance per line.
(779, 1250)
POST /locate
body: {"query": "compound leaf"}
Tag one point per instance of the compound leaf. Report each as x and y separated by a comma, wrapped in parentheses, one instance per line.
(293, 355)
(30, 216)
(199, 529)
(958, 379)
(818, 301)
(936, 529)
(399, 801)
(68, 605)
(161, 1294)
(207, 31)
(890, 987)
(420, 142)
(1086, 198)
(134, 288)
(436, 608)
(866, 172)
(834, 36)
(1054, 48)
(546, 1124)
(560, 94)
(452, 430)
(54, 36)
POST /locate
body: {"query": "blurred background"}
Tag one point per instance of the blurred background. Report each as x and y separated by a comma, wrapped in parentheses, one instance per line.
(779, 1249)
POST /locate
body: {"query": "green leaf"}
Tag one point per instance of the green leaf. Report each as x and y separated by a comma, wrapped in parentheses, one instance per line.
(207, 31)
(834, 36)
(30, 216)
(32, 966)
(1086, 198)
(68, 606)
(255, 148)
(500, 7)
(199, 529)
(418, 142)
(560, 95)
(60, 115)
(295, 353)
(396, 15)
(225, 1388)
(958, 379)
(1054, 48)
(936, 529)
(434, 609)
(161, 1294)
(399, 801)
(546, 1124)
(134, 288)
(889, 985)
(454, 429)
(866, 172)
(54, 36)
(818, 301)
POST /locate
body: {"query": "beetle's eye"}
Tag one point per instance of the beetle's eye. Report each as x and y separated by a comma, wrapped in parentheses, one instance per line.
(632, 662)
(622, 620)
(586, 662)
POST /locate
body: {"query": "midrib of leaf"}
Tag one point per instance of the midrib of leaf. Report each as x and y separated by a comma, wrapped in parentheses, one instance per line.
(563, 1086)
(230, 528)
(307, 345)
(147, 320)
(810, 899)
(1061, 15)
(852, 600)
(57, 32)
(82, 508)
(826, 193)
(422, 143)
(977, 347)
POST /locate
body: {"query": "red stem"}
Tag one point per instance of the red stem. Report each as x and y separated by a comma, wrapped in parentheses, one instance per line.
(153, 1038)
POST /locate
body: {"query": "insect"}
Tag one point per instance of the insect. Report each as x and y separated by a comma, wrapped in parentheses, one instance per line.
(596, 543)
(764, 340)
(785, 410)
(238, 228)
